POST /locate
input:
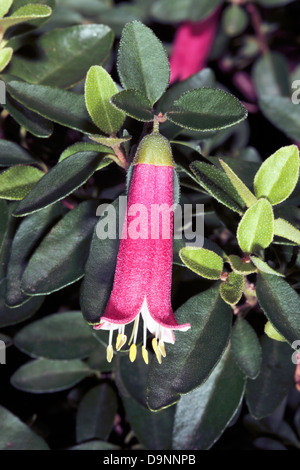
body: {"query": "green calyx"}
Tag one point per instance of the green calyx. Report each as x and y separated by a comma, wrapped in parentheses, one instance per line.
(154, 149)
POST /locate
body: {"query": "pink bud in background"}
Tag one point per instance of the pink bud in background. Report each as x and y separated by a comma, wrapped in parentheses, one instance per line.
(192, 46)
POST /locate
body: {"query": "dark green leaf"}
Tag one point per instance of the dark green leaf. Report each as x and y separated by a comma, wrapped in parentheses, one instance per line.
(204, 78)
(271, 75)
(207, 109)
(32, 122)
(100, 269)
(178, 10)
(153, 430)
(96, 413)
(203, 415)
(195, 353)
(134, 104)
(59, 336)
(61, 106)
(60, 181)
(281, 304)
(217, 183)
(60, 258)
(284, 114)
(266, 392)
(15, 435)
(12, 154)
(47, 376)
(245, 347)
(11, 316)
(67, 55)
(28, 235)
(95, 445)
(142, 61)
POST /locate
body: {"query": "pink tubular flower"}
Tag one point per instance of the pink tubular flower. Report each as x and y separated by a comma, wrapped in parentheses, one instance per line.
(192, 45)
(143, 275)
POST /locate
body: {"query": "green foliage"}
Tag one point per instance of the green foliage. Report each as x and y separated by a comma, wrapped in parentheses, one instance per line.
(256, 228)
(99, 88)
(142, 62)
(206, 109)
(204, 262)
(278, 175)
(77, 100)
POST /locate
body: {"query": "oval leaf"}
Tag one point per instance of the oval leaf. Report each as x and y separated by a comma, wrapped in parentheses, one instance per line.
(231, 290)
(195, 353)
(17, 181)
(59, 336)
(275, 379)
(204, 262)
(278, 175)
(47, 376)
(281, 304)
(99, 88)
(134, 104)
(256, 229)
(60, 258)
(16, 435)
(199, 427)
(246, 348)
(207, 109)
(67, 55)
(96, 413)
(142, 61)
(60, 181)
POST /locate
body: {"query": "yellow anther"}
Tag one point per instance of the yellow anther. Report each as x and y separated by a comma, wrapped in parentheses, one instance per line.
(154, 345)
(118, 342)
(109, 353)
(145, 354)
(132, 352)
(161, 348)
(121, 340)
(156, 350)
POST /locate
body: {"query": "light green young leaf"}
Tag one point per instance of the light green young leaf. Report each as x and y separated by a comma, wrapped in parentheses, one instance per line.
(204, 262)
(4, 7)
(5, 57)
(241, 188)
(99, 88)
(264, 267)
(241, 267)
(234, 20)
(284, 229)
(142, 61)
(231, 290)
(256, 229)
(25, 13)
(278, 175)
(17, 181)
(272, 332)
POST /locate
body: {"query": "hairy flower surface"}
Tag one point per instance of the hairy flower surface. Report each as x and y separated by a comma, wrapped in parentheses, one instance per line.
(143, 275)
